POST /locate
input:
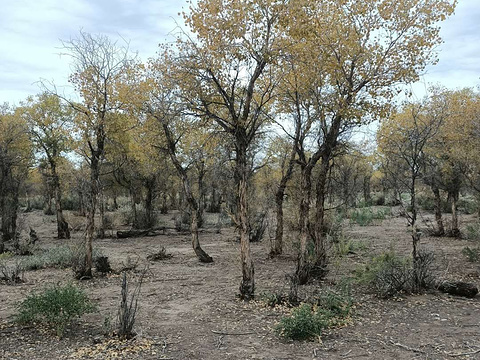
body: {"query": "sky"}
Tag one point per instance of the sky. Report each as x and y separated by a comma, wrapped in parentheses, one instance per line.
(31, 30)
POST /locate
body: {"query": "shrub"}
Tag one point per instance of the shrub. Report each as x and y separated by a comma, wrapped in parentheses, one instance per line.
(311, 318)
(388, 274)
(58, 257)
(127, 311)
(55, 307)
(473, 231)
(102, 264)
(306, 322)
(366, 216)
(472, 254)
(159, 255)
(274, 299)
(11, 274)
(362, 217)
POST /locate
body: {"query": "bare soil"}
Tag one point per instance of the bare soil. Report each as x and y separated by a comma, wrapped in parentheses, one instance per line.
(189, 310)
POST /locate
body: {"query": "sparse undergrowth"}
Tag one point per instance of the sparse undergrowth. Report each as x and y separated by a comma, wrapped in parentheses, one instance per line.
(57, 257)
(55, 307)
(389, 274)
(310, 319)
(367, 216)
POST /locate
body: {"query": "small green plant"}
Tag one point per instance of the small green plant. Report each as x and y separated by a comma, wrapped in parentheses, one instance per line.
(389, 274)
(311, 318)
(55, 307)
(306, 322)
(472, 254)
(362, 217)
(386, 274)
(5, 256)
(274, 299)
(473, 231)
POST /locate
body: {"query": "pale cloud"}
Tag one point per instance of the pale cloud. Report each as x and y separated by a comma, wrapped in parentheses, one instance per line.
(30, 33)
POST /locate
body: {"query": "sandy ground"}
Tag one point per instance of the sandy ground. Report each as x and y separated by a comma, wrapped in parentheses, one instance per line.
(188, 310)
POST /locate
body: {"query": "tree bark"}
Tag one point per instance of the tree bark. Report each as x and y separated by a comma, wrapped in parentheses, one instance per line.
(277, 246)
(150, 185)
(62, 226)
(438, 211)
(188, 193)
(319, 229)
(247, 286)
(455, 231)
(101, 210)
(303, 266)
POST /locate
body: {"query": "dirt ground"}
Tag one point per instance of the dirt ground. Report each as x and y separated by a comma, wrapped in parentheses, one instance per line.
(188, 310)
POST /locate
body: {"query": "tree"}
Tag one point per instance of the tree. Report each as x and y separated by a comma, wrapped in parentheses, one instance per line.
(403, 138)
(165, 108)
(225, 74)
(15, 159)
(50, 125)
(102, 71)
(353, 55)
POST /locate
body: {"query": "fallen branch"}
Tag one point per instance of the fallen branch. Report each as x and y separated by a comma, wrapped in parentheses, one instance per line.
(463, 354)
(233, 334)
(407, 347)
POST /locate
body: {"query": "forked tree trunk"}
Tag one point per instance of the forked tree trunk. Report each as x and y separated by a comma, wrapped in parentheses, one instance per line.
(438, 212)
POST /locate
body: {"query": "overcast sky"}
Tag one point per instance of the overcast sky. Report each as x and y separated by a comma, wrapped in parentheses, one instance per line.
(30, 33)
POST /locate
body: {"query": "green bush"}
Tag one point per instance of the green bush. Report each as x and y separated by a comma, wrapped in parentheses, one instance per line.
(55, 307)
(473, 231)
(388, 274)
(306, 322)
(319, 312)
(468, 205)
(366, 216)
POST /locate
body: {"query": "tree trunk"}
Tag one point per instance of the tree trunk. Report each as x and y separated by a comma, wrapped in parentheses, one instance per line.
(366, 191)
(135, 223)
(202, 255)
(438, 211)
(247, 286)
(150, 185)
(192, 203)
(101, 210)
(92, 203)
(9, 205)
(277, 246)
(319, 229)
(413, 219)
(62, 226)
(303, 266)
(455, 231)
